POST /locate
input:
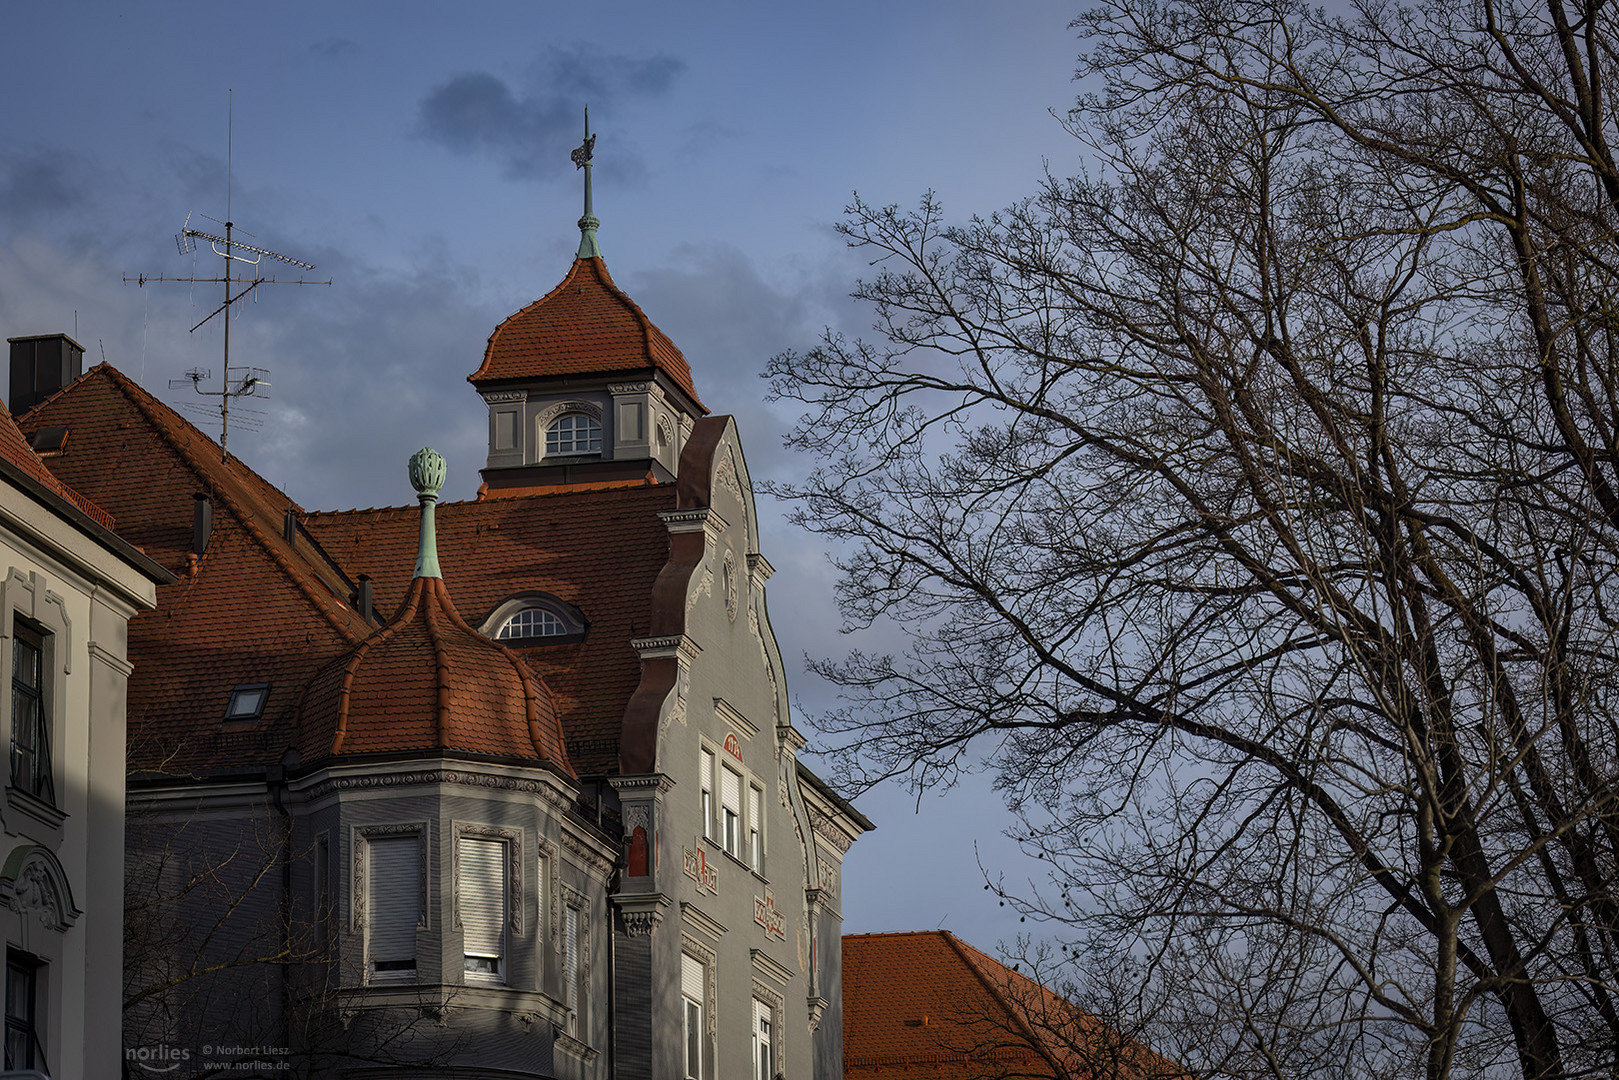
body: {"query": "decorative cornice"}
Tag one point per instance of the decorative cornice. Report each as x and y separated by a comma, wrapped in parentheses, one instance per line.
(760, 568)
(499, 397)
(690, 521)
(582, 850)
(791, 737)
(817, 1007)
(827, 832)
(661, 648)
(629, 388)
(111, 659)
(733, 716)
(407, 777)
(697, 919)
(643, 912)
(767, 967)
(630, 787)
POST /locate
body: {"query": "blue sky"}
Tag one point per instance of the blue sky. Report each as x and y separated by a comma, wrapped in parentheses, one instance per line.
(419, 156)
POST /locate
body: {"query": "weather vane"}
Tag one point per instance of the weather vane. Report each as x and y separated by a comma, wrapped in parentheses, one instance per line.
(252, 381)
(588, 248)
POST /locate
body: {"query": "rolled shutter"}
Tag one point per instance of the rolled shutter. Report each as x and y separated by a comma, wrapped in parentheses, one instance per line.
(483, 897)
(394, 898)
(731, 791)
(571, 931)
(691, 978)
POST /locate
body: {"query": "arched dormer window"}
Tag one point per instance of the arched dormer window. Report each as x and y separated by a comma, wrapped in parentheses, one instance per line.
(573, 433)
(534, 618)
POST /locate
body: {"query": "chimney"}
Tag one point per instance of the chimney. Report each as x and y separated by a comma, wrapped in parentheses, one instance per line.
(289, 527)
(363, 600)
(202, 523)
(40, 366)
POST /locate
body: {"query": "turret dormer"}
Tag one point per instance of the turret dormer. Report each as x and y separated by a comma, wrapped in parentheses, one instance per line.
(581, 386)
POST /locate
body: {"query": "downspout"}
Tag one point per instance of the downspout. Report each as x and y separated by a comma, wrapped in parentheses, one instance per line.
(276, 779)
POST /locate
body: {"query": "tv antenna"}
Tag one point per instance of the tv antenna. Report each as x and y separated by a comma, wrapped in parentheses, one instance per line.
(239, 381)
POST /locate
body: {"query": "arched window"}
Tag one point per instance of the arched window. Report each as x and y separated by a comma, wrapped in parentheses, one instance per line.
(530, 618)
(573, 433)
(529, 623)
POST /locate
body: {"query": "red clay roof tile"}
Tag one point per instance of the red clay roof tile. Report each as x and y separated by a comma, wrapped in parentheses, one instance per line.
(428, 681)
(599, 549)
(14, 447)
(928, 1000)
(584, 326)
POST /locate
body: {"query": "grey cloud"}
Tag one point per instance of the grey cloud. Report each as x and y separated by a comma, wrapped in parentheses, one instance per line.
(44, 181)
(522, 128)
(335, 48)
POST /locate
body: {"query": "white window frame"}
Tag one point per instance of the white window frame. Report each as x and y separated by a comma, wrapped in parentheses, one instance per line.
(756, 828)
(705, 768)
(573, 434)
(731, 811)
(764, 1036)
(693, 949)
(692, 1011)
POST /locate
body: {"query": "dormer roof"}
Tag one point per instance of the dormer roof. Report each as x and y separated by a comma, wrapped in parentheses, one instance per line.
(585, 326)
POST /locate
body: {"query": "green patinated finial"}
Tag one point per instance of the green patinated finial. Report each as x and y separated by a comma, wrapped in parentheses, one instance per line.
(427, 472)
(588, 248)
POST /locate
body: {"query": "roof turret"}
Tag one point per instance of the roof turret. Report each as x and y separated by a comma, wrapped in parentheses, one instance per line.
(426, 680)
(586, 326)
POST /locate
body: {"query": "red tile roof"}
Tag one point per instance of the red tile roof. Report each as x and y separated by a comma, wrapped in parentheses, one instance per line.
(14, 447)
(253, 608)
(428, 681)
(584, 326)
(599, 549)
(927, 1000)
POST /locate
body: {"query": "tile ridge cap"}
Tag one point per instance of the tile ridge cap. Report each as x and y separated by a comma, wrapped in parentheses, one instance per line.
(358, 654)
(1013, 1012)
(489, 344)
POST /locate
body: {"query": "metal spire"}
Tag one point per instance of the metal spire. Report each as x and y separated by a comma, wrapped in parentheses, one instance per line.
(588, 248)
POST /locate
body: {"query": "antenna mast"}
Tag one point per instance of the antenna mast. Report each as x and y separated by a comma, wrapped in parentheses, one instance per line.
(253, 380)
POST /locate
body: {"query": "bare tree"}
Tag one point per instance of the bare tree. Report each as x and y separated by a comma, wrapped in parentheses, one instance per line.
(230, 967)
(1252, 504)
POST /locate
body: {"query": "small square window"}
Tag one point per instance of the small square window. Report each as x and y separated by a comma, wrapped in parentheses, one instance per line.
(247, 701)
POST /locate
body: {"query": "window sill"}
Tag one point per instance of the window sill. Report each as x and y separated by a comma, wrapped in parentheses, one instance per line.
(38, 809)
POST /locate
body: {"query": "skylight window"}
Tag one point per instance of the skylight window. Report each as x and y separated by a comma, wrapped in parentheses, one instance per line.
(247, 701)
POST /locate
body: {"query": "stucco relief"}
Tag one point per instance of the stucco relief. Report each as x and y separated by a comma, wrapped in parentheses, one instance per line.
(36, 892)
(547, 886)
(543, 418)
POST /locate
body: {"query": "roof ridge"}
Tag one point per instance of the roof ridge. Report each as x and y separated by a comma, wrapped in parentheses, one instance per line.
(383, 634)
(1013, 1012)
(148, 407)
(526, 675)
(489, 342)
(635, 309)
